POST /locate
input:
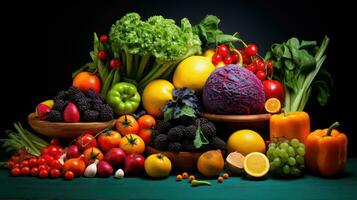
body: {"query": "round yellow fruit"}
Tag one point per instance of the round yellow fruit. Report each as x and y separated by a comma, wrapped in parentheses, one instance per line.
(256, 164)
(193, 73)
(157, 166)
(245, 141)
(209, 53)
(155, 95)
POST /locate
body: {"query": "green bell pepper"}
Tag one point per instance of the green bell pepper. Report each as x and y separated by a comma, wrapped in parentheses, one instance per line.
(123, 98)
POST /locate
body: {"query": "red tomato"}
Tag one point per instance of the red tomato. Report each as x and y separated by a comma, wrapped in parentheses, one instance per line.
(55, 173)
(48, 158)
(108, 140)
(34, 171)
(55, 151)
(15, 158)
(251, 50)
(146, 122)
(127, 124)
(42, 167)
(33, 162)
(223, 50)
(91, 154)
(274, 88)
(25, 171)
(86, 141)
(54, 141)
(10, 164)
(103, 38)
(261, 75)
(43, 173)
(24, 163)
(146, 135)
(55, 164)
(69, 175)
(16, 171)
(85, 80)
(76, 165)
(41, 161)
(216, 58)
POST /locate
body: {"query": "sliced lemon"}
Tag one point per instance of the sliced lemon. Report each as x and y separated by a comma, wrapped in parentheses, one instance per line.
(272, 105)
(256, 164)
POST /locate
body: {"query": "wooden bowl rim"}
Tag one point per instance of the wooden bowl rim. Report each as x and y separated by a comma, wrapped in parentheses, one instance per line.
(237, 118)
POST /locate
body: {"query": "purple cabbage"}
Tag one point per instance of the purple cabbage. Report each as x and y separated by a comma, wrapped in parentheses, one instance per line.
(233, 90)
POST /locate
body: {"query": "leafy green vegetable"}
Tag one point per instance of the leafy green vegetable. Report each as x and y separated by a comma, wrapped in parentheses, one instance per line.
(200, 139)
(185, 103)
(150, 48)
(298, 67)
(23, 139)
(209, 32)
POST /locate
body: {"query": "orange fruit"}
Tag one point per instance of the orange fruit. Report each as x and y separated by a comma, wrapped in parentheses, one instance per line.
(210, 163)
(272, 105)
(256, 164)
(235, 163)
(245, 141)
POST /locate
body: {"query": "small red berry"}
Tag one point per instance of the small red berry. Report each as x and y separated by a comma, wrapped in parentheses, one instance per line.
(261, 75)
(216, 58)
(114, 63)
(102, 55)
(103, 38)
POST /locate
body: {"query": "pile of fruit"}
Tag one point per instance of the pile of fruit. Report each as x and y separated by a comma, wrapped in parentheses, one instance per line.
(154, 79)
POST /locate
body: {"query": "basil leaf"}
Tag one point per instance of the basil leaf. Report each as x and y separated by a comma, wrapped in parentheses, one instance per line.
(224, 38)
(168, 114)
(307, 44)
(278, 50)
(200, 139)
(188, 111)
(293, 43)
(289, 64)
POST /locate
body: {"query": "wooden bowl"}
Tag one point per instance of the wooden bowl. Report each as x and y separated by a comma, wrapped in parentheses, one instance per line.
(66, 130)
(181, 161)
(231, 123)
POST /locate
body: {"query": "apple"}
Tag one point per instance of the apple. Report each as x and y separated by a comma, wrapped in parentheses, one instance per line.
(134, 164)
(115, 157)
(274, 88)
(43, 108)
(71, 113)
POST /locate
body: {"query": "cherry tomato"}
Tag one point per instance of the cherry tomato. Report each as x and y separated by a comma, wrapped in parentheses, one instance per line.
(43, 173)
(146, 135)
(251, 50)
(246, 59)
(234, 56)
(41, 161)
(127, 124)
(55, 151)
(86, 141)
(34, 171)
(227, 60)
(25, 163)
(33, 162)
(48, 158)
(17, 165)
(91, 154)
(261, 75)
(260, 65)
(252, 68)
(16, 171)
(42, 167)
(69, 175)
(25, 171)
(103, 38)
(114, 63)
(55, 164)
(55, 173)
(102, 55)
(10, 164)
(146, 122)
(216, 58)
(108, 140)
(223, 50)
(15, 158)
(269, 63)
(54, 141)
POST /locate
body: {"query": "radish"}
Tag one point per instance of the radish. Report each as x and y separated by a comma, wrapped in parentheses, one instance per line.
(104, 169)
(73, 152)
(91, 169)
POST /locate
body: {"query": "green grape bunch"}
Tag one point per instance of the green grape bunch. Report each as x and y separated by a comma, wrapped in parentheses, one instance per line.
(286, 158)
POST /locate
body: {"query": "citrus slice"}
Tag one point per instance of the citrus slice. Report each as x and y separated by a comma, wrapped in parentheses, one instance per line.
(272, 105)
(235, 162)
(256, 164)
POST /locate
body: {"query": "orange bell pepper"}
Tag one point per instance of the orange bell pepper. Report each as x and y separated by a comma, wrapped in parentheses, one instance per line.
(326, 151)
(290, 125)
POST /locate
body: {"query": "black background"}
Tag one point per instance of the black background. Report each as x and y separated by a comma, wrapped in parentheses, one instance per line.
(43, 43)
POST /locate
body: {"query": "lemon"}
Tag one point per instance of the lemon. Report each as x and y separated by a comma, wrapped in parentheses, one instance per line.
(245, 141)
(193, 73)
(155, 95)
(256, 164)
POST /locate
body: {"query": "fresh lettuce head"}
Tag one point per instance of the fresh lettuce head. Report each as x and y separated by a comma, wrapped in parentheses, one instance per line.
(156, 36)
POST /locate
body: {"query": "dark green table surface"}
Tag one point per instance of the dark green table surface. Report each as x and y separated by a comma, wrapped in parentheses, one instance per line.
(309, 187)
